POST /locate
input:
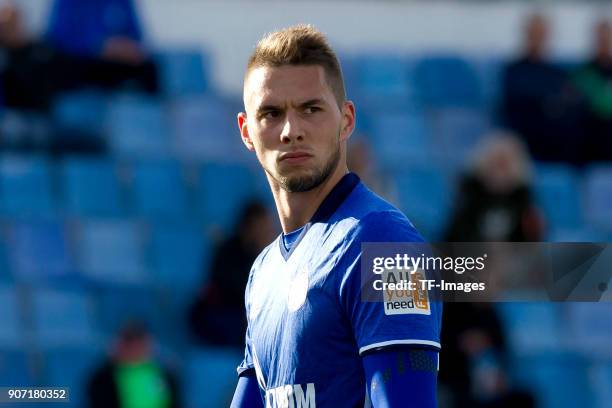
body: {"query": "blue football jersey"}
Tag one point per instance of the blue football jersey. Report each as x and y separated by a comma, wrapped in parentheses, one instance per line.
(307, 323)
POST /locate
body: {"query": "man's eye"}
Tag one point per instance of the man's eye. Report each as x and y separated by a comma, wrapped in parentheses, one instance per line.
(312, 109)
(271, 114)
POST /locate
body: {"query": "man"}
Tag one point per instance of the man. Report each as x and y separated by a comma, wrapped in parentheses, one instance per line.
(311, 341)
(538, 101)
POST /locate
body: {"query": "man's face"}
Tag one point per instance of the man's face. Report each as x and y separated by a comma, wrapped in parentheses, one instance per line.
(294, 124)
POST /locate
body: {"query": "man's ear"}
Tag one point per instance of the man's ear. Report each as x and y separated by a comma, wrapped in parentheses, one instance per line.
(244, 131)
(348, 120)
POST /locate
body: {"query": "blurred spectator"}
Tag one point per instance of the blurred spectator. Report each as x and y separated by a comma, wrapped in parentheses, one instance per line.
(593, 79)
(494, 202)
(539, 102)
(95, 28)
(360, 161)
(217, 317)
(34, 70)
(131, 377)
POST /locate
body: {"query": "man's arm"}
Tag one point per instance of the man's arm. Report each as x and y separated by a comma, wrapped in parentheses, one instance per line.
(402, 377)
(247, 394)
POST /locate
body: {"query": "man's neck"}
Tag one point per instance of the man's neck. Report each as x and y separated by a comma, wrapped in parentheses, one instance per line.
(296, 209)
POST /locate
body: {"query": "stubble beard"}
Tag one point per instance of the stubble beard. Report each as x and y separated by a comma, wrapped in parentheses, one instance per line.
(307, 182)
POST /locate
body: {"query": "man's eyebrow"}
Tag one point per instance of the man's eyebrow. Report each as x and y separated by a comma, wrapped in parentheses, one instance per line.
(310, 102)
(268, 107)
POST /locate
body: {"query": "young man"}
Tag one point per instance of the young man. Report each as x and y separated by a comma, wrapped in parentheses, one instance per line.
(311, 340)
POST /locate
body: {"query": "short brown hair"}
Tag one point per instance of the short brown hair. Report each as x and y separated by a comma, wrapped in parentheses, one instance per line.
(299, 45)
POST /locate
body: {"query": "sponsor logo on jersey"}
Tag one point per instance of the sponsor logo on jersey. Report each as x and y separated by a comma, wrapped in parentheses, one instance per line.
(405, 301)
(291, 396)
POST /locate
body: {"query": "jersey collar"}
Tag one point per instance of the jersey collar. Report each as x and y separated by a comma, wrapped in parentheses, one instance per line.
(327, 208)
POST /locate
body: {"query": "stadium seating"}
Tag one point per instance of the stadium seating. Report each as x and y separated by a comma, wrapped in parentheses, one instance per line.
(598, 193)
(70, 367)
(15, 369)
(179, 255)
(183, 71)
(25, 186)
(558, 380)
(211, 377)
(523, 319)
(220, 198)
(455, 133)
(424, 195)
(557, 193)
(77, 111)
(117, 306)
(63, 319)
(138, 127)
(204, 128)
(91, 187)
(446, 81)
(39, 252)
(399, 138)
(11, 334)
(111, 252)
(159, 190)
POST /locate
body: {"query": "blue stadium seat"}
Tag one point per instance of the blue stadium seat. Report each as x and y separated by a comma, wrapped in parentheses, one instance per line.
(25, 184)
(138, 127)
(112, 252)
(179, 255)
(203, 129)
(116, 306)
(455, 133)
(211, 377)
(79, 110)
(63, 318)
(11, 334)
(72, 368)
(599, 196)
(6, 275)
(447, 81)
(522, 320)
(39, 251)
(16, 369)
(399, 138)
(383, 76)
(183, 71)
(590, 326)
(556, 380)
(224, 188)
(490, 69)
(424, 196)
(603, 385)
(557, 193)
(91, 187)
(159, 189)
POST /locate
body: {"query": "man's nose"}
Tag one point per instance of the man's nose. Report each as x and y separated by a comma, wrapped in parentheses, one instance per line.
(292, 129)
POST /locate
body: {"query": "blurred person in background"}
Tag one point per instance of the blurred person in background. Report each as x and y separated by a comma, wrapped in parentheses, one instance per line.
(494, 204)
(217, 315)
(94, 28)
(34, 70)
(593, 79)
(360, 161)
(538, 101)
(131, 378)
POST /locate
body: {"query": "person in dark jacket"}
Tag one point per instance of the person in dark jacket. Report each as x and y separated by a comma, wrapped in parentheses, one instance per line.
(217, 315)
(131, 378)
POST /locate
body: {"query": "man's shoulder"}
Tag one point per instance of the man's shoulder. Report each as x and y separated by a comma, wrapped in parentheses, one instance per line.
(376, 220)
